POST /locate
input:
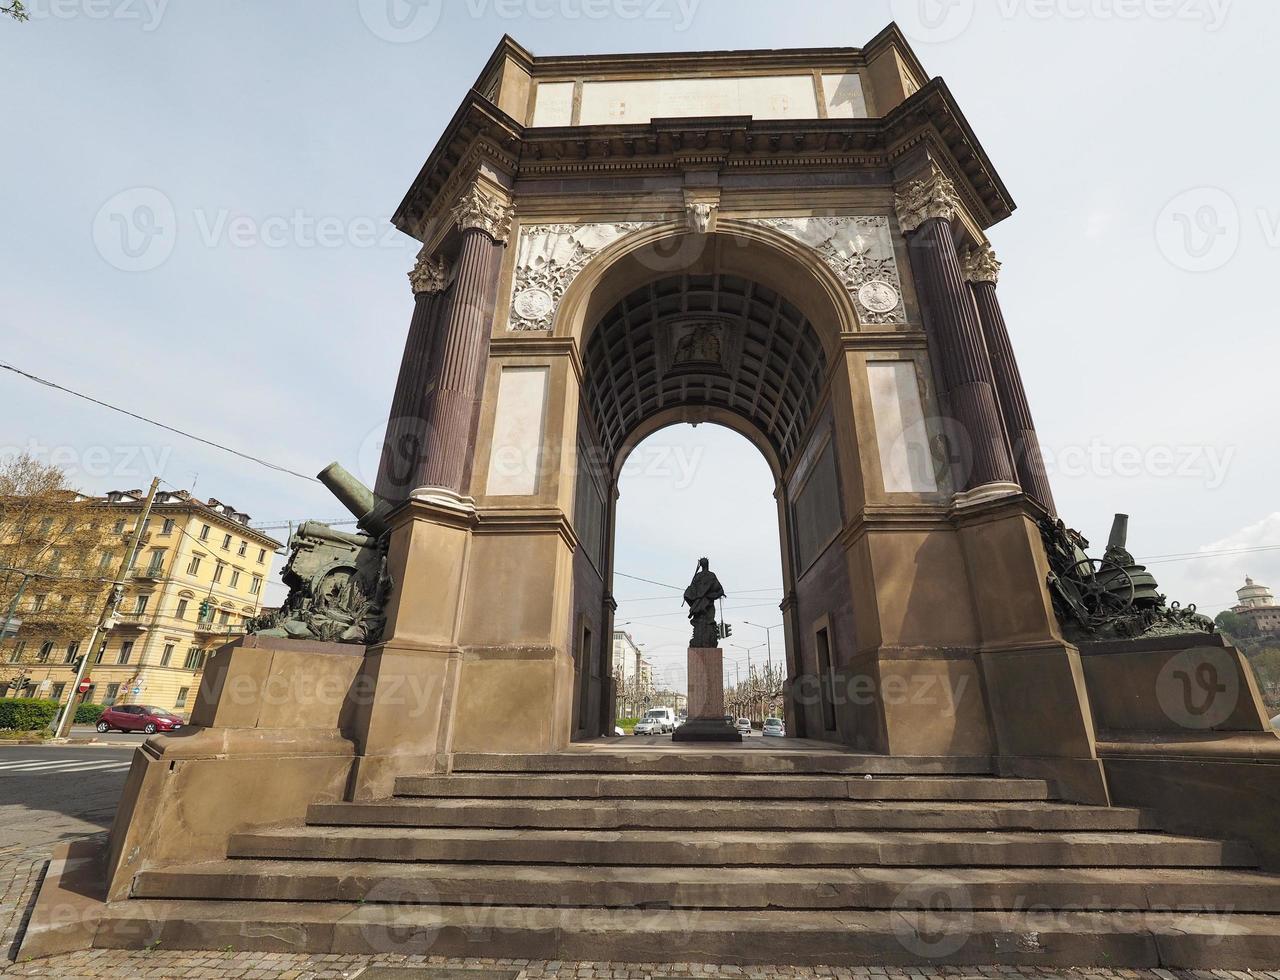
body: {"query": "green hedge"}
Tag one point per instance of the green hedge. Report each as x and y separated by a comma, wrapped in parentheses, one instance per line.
(88, 714)
(26, 714)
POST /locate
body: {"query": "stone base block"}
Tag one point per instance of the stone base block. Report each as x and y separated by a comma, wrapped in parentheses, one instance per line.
(706, 730)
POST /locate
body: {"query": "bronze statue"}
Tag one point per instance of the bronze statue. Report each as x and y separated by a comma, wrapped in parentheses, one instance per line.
(701, 596)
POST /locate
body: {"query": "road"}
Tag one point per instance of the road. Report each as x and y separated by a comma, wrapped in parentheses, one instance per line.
(54, 793)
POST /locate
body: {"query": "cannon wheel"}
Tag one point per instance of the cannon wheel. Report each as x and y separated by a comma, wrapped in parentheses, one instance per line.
(1098, 605)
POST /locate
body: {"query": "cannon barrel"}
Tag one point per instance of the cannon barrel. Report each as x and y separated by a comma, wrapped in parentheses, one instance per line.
(1119, 532)
(323, 532)
(356, 497)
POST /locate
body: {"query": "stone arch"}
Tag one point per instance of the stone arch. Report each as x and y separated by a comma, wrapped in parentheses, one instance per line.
(739, 246)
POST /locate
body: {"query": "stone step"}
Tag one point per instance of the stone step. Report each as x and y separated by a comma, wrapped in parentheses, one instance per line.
(624, 814)
(809, 938)
(694, 759)
(719, 848)
(725, 787)
(1126, 889)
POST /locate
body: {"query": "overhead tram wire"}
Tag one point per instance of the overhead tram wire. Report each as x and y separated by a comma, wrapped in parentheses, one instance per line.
(142, 418)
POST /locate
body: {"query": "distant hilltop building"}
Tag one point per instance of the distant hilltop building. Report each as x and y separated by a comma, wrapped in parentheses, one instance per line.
(1257, 605)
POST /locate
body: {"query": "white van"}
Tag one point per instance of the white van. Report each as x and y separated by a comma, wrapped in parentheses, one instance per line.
(657, 721)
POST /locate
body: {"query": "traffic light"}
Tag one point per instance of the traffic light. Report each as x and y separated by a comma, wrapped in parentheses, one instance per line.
(726, 631)
(204, 609)
(74, 666)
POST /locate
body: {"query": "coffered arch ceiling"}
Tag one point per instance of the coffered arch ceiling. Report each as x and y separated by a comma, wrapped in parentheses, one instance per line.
(717, 340)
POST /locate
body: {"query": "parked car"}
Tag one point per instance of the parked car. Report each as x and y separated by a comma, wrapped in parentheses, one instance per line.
(657, 721)
(743, 726)
(138, 718)
(773, 727)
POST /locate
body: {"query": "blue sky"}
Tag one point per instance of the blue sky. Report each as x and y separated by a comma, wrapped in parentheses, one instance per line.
(1138, 277)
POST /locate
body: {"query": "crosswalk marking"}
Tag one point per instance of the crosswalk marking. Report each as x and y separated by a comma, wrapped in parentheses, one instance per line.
(63, 765)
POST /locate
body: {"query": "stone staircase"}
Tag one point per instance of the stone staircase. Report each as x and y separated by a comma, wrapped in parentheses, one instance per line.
(726, 856)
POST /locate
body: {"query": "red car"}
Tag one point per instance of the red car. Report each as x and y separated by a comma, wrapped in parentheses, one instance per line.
(138, 718)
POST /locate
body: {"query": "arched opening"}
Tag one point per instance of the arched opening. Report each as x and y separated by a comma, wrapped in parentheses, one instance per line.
(714, 343)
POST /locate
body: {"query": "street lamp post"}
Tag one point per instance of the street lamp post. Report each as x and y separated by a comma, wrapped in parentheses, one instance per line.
(768, 637)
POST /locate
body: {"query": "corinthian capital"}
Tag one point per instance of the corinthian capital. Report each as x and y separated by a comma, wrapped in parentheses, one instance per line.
(981, 264)
(479, 207)
(430, 274)
(931, 196)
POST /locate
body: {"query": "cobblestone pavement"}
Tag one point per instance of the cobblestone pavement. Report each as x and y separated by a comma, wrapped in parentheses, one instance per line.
(36, 814)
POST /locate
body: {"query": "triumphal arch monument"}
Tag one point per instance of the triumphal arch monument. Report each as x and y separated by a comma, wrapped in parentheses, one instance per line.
(415, 754)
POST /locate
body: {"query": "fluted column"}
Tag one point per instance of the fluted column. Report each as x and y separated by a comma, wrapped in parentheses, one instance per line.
(403, 449)
(982, 271)
(456, 375)
(926, 208)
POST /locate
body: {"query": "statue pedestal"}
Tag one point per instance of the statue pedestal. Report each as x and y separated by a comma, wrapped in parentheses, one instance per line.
(706, 700)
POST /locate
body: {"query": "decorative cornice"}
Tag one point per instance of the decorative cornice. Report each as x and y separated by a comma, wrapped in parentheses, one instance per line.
(483, 209)
(430, 274)
(926, 198)
(981, 264)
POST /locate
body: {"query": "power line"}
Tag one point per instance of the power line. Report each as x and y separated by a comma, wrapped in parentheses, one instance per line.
(150, 421)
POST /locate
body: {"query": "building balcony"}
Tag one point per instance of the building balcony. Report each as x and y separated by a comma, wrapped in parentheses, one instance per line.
(152, 573)
(229, 630)
(139, 621)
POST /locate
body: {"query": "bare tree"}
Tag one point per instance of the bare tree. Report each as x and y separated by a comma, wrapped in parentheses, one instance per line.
(15, 9)
(55, 558)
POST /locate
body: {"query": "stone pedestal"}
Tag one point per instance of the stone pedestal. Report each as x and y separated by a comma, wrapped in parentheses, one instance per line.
(706, 700)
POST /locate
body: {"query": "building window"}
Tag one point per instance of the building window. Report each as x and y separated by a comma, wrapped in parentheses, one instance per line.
(157, 563)
(107, 558)
(241, 550)
(119, 527)
(126, 651)
(16, 655)
(46, 648)
(204, 532)
(88, 695)
(141, 605)
(226, 542)
(195, 658)
(102, 652)
(181, 612)
(167, 527)
(218, 570)
(37, 604)
(87, 605)
(113, 692)
(73, 651)
(262, 555)
(235, 577)
(194, 567)
(256, 585)
(167, 655)
(182, 697)
(224, 617)
(58, 690)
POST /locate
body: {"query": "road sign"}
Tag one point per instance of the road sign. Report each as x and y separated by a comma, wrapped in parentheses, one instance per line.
(84, 685)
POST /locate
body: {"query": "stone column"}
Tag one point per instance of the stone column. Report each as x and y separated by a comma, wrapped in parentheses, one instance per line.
(982, 270)
(407, 425)
(926, 208)
(455, 380)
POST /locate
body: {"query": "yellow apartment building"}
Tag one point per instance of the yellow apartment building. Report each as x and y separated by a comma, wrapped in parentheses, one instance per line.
(196, 581)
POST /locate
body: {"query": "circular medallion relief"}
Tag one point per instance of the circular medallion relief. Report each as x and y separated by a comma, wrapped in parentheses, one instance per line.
(534, 304)
(878, 296)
